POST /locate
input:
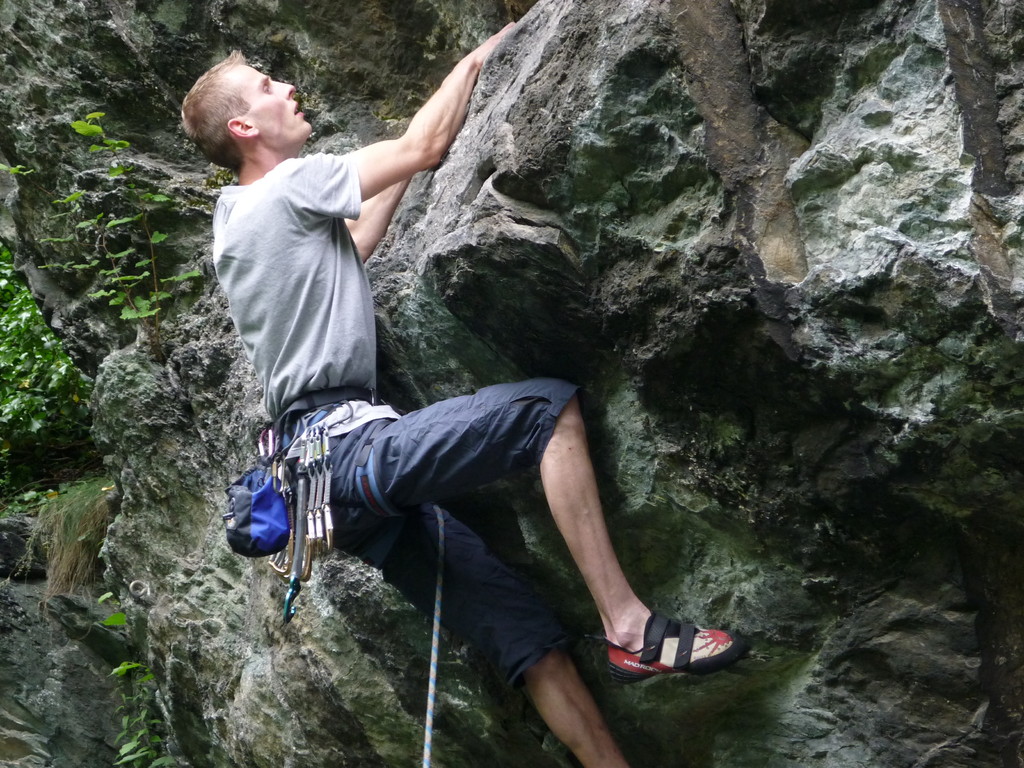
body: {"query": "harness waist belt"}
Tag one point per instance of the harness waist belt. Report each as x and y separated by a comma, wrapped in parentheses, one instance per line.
(323, 397)
(286, 424)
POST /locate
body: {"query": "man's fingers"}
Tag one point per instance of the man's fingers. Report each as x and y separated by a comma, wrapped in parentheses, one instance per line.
(484, 50)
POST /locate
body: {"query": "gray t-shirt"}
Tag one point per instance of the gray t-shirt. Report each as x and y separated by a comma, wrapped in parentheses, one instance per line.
(298, 292)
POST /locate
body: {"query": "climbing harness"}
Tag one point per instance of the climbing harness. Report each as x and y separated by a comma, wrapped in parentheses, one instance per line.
(298, 451)
(366, 476)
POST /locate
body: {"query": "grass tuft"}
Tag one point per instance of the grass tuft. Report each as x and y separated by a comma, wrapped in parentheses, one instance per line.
(72, 526)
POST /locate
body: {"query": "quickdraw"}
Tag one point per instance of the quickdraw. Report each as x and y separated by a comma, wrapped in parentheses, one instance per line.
(309, 509)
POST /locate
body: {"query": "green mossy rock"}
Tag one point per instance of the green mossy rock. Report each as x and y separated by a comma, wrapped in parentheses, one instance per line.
(777, 241)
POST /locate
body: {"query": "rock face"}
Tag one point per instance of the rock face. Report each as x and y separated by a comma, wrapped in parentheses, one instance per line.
(55, 664)
(778, 241)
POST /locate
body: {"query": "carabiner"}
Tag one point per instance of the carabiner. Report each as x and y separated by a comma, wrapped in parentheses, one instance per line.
(294, 587)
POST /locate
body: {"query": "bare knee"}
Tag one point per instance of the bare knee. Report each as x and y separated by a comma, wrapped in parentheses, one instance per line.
(568, 442)
(570, 421)
(554, 675)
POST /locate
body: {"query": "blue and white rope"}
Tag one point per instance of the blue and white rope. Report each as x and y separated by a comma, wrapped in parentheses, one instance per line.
(435, 644)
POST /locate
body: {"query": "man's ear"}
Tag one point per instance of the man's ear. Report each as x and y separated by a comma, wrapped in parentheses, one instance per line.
(241, 128)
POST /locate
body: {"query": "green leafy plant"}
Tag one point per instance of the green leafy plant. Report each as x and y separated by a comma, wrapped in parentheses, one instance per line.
(44, 417)
(139, 742)
(108, 231)
(16, 170)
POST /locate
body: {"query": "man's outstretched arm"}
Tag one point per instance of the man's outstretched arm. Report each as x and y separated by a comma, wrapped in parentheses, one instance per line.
(431, 131)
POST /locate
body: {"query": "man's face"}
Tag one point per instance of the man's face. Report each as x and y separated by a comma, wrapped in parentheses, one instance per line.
(273, 111)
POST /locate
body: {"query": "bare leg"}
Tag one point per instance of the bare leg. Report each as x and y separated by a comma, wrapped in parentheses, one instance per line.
(571, 489)
(570, 712)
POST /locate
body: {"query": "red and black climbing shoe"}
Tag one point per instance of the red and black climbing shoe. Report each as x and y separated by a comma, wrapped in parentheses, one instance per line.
(673, 647)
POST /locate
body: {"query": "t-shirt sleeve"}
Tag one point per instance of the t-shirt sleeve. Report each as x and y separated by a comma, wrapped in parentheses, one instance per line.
(323, 184)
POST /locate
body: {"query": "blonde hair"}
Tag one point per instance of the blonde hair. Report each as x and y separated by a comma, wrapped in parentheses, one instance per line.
(209, 106)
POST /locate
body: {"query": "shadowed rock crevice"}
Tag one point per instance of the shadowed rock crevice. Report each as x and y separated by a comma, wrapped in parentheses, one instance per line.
(974, 78)
(745, 146)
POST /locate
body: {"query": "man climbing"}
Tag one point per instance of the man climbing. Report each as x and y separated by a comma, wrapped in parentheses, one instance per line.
(290, 240)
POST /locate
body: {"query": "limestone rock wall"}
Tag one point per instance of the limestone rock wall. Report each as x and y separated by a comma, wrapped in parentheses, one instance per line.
(778, 241)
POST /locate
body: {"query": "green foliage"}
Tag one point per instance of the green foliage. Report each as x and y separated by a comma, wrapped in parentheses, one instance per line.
(16, 170)
(43, 413)
(141, 745)
(139, 742)
(106, 233)
(109, 232)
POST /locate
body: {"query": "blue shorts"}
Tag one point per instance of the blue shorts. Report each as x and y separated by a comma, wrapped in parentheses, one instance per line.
(434, 453)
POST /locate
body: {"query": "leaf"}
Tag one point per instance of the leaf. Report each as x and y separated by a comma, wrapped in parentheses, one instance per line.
(115, 620)
(124, 667)
(137, 314)
(101, 294)
(86, 129)
(181, 277)
(71, 198)
(155, 197)
(17, 169)
(95, 115)
(157, 237)
(118, 170)
(104, 597)
(130, 758)
(125, 220)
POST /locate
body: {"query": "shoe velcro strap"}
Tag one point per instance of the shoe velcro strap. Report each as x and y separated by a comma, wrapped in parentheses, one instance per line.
(654, 633)
(667, 642)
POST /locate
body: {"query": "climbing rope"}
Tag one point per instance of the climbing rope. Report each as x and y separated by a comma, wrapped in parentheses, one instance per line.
(435, 644)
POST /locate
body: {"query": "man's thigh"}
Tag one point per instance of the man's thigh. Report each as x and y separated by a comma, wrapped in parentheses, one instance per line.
(463, 443)
(441, 451)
